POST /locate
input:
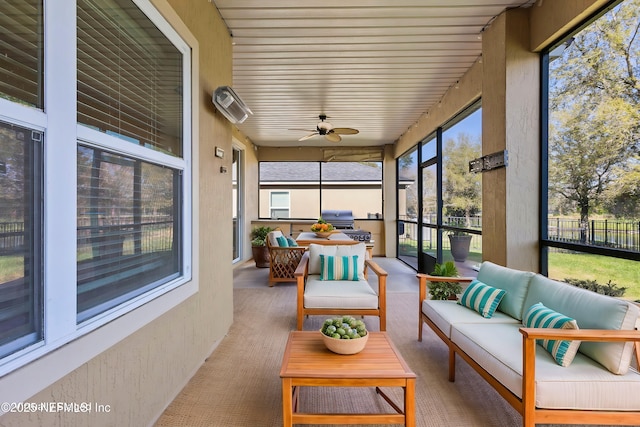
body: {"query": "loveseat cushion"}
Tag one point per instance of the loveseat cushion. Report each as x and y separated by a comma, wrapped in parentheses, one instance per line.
(482, 298)
(591, 311)
(315, 250)
(338, 294)
(539, 316)
(513, 282)
(497, 347)
(445, 313)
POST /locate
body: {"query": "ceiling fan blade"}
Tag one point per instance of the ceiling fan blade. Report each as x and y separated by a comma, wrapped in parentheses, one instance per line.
(333, 137)
(346, 131)
(311, 135)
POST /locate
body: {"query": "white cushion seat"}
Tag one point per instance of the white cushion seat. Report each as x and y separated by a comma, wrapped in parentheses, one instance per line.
(582, 385)
(445, 313)
(352, 294)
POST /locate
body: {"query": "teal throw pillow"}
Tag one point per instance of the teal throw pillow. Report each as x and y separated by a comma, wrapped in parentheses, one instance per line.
(291, 241)
(539, 316)
(339, 267)
(482, 298)
(282, 242)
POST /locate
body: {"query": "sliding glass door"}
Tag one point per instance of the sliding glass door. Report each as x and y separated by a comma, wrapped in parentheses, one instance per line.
(439, 200)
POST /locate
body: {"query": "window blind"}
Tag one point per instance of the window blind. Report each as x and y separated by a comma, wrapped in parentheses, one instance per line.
(21, 50)
(129, 76)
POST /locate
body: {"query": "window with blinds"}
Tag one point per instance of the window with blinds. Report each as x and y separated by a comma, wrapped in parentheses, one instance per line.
(129, 229)
(20, 238)
(129, 76)
(21, 51)
(123, 154)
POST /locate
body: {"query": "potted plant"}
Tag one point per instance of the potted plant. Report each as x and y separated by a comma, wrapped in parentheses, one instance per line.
(259, 246)
(460, 242)
(448, 289)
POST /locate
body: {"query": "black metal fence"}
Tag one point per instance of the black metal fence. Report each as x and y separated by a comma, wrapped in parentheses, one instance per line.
(598, 232)
(618, 234)
(11, 237)
(609, 233)
(155, 234)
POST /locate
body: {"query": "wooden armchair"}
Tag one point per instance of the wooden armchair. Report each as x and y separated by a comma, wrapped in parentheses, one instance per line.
(322, 288)
(284, 259)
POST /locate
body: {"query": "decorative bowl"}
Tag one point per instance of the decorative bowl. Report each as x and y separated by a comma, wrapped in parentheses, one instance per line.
(323, 234)
(345, 346)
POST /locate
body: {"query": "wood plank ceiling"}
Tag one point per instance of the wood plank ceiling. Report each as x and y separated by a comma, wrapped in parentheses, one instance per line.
(372, 65)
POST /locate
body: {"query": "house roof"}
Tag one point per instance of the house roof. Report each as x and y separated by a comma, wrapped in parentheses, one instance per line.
(310, 171)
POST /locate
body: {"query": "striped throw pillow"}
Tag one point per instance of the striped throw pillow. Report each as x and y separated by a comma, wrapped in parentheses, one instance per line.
(338, 267)
(482, 298)
(539, 316)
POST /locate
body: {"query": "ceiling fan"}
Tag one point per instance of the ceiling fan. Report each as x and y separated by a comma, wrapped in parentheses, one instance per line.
(327, 130)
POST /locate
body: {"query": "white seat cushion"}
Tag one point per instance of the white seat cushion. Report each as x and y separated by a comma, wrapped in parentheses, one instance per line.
(585, 384)
(338, 294)
(445, 313)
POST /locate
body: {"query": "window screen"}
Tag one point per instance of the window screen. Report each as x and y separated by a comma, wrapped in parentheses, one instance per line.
(128, 228)
(20, 238)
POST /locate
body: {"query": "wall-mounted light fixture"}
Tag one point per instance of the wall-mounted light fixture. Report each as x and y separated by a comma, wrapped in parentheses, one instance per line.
(488, 162)
(228, 102)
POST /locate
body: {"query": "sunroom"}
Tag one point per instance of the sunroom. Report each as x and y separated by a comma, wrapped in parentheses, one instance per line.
(127, 198)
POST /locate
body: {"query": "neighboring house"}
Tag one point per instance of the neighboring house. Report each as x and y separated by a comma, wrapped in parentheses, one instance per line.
(304, 189)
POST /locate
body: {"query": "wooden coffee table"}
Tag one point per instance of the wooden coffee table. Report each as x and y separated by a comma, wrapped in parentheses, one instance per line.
(307, 362)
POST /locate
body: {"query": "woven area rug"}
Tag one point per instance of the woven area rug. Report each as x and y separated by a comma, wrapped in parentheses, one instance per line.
(239, 384)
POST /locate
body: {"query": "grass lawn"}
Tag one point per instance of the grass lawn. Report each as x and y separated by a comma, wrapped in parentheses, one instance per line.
(622, 272)
(11, 268)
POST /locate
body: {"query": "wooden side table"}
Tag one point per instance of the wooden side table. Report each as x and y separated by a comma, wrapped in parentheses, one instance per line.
(307, 362)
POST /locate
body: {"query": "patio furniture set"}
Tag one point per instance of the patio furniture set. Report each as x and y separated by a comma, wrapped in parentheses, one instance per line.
(584, 376)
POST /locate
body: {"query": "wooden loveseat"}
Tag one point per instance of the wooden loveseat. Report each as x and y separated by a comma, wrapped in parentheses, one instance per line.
(600, 385)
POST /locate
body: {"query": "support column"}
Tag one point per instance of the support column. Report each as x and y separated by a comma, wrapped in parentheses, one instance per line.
(510, 121)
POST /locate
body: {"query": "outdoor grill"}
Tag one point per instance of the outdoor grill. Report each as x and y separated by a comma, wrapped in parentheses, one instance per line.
(343, 220)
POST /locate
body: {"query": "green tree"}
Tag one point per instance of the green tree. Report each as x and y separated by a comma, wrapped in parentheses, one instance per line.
(461, 190)
(594, 111)
(408, 172)
(622, 198)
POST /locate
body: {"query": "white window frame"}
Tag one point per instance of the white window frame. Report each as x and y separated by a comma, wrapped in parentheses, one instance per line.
(287, 207)
(240, 214)
(62, 134)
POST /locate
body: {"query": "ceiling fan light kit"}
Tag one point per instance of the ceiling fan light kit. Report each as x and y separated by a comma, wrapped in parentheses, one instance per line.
(327, 130)
(229, 103)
